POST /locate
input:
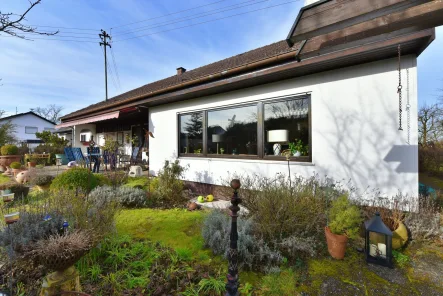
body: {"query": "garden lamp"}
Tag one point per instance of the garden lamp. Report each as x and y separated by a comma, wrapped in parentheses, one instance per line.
(378, 242)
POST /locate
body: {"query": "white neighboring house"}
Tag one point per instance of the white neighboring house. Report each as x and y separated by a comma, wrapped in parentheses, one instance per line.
(26, 125)
(332, 84)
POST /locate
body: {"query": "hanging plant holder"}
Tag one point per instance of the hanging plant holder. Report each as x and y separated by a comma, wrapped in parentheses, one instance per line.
(399, 87)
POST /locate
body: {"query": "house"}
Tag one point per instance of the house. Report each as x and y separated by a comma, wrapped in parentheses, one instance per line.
(331, 87)
(26, 125)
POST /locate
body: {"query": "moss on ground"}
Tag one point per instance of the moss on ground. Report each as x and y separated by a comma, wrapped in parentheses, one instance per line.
(4, 179)
(180, 229)
(138, 182)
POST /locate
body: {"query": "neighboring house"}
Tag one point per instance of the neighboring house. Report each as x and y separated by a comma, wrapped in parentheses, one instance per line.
(331, 84)
(26, 125)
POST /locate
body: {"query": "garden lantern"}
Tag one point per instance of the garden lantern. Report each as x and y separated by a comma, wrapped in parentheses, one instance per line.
(378, 242)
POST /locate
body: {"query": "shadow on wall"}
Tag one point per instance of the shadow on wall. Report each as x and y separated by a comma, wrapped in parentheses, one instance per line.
(365, 141)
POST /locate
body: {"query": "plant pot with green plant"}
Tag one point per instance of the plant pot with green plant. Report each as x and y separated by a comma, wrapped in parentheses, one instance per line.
(344, 223)
(16, 167)
(297, 148)
(32, 162)
(9, 155)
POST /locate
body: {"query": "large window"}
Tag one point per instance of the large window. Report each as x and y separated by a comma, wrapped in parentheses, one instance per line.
(191, 133)
(31, 129)
(272, 129)
(232, 131)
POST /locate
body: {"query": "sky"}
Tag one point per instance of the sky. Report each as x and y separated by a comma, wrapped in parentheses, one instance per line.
(71, 74)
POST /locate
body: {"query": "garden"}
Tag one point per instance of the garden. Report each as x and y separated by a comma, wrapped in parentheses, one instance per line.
(111, 234)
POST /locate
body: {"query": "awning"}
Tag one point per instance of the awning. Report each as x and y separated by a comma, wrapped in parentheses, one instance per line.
(89, 119)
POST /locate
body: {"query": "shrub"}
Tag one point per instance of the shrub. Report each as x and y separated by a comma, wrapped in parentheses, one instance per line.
(9, 150)
(252, 252)
(344, 217)
(137, 182)
(30, 228)
(102, 180)
(116, 178)
(77, 179)
(169, 191)
(15, 165)
(42, 180)
(126, 196)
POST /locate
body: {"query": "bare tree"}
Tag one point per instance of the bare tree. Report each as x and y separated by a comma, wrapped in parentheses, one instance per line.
(430, 124)
(51, 112)
(16, 28)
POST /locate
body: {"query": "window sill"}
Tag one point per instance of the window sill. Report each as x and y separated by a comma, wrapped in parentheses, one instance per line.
(251, 160)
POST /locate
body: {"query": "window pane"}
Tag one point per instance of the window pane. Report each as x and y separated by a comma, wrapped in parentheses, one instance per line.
(191, 133)
(233, 131)
(286, 122)
(30, 129)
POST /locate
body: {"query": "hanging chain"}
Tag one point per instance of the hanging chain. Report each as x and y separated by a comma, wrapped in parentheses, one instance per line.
(408, 107)
(399, 89)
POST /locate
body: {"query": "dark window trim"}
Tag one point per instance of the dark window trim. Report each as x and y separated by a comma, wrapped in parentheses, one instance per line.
(33, 127)
(260, 131)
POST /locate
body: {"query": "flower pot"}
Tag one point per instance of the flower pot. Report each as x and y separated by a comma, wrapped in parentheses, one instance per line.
(336, 244)
(8, 197)
(296, 153)
(12, 218)
(16, 171)
(32, 164)
(6, 160)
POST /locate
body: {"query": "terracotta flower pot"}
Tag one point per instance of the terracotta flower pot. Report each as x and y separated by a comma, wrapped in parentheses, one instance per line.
(32, 164)
(336, 244)
(16, 171)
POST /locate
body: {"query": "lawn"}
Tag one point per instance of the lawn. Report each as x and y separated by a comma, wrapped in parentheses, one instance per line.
(430, 181)
(180, 230)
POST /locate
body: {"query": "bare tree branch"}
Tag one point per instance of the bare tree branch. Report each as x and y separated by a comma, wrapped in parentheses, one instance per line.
(430, 124)
(16, 28)
(51, 112)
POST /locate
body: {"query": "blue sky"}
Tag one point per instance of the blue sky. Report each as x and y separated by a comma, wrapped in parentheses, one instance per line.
(71, 74)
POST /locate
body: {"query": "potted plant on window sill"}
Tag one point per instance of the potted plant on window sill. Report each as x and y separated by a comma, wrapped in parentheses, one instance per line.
(297, 148)
(344, 223)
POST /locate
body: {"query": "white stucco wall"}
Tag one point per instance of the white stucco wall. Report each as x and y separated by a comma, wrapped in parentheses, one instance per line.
(30, 120)
(355, 132)
(76, 135)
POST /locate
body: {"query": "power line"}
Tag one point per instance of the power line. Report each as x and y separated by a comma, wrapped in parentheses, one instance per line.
(62, 36)
(207, 21)
(115, 68)
(157, 17)
(56, 27)
(114, 83)
(32, 39)
(197, 15)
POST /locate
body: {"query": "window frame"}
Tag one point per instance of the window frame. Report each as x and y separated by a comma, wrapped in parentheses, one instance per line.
(33, 127)
(260, 105)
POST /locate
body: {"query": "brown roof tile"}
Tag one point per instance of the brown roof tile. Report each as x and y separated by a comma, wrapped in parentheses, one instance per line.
(254, 55)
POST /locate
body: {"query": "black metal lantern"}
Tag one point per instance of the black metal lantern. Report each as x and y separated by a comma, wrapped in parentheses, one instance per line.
(378, 242)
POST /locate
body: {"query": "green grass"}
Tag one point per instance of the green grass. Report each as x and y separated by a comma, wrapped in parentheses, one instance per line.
(141, 182)
(4, 179)
(177, 228)
(430, 181)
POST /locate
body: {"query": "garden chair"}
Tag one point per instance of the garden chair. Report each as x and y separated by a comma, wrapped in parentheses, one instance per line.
(69, 154)
(94, 156)
(79, 158)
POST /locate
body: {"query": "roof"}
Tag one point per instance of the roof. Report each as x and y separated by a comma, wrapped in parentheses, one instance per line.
(27, 113)
(226, 64)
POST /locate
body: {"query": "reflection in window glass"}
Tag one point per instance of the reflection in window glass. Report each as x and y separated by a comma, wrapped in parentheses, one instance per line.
(191, 133)
(31, 129)
(286, 127)
(233, 131)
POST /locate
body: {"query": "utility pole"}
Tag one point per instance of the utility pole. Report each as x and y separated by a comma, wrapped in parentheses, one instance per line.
(103, 37)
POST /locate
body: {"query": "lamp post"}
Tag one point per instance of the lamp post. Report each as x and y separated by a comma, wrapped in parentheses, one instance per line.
(232, 284)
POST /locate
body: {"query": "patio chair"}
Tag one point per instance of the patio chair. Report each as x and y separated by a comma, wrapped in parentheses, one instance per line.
(69, 154)
(78, 156)
(133, 158)
(109, 158)
(94, 156)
